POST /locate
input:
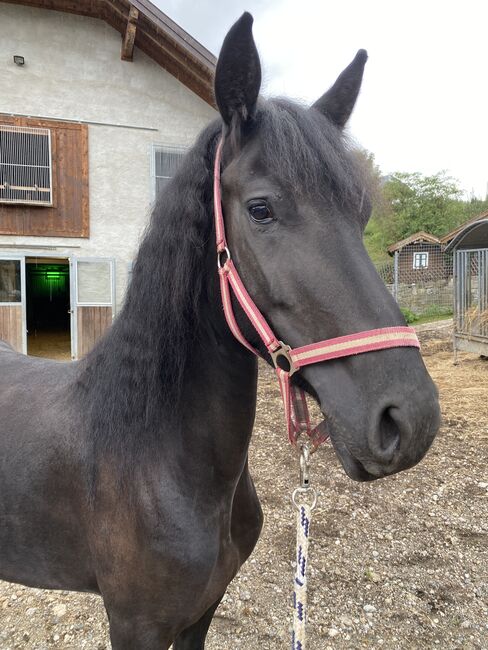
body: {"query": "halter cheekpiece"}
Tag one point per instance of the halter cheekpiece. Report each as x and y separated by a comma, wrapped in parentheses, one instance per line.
(288, 360)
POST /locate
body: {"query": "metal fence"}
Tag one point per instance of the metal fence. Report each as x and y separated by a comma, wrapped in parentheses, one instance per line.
(472, 293)
(420, 277)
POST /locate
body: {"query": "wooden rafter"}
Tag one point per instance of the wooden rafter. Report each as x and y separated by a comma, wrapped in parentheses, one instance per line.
(130, 35)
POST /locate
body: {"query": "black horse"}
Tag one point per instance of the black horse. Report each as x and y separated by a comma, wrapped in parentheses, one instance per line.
(126, 474)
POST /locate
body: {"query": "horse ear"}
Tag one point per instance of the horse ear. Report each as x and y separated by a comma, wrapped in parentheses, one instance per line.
(338, 102)
(238, 73)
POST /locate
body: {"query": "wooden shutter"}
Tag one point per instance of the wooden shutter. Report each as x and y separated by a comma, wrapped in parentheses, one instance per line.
(68, 215)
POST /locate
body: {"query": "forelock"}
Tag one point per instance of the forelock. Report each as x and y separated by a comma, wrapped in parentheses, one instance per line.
(309, 153)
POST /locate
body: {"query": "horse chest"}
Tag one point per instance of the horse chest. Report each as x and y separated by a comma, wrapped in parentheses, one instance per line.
(167, 546)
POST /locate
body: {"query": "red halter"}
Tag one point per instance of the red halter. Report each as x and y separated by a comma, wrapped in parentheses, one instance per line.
(294, 400)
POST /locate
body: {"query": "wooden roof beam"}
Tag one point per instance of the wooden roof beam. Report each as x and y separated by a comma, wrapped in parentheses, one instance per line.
(130, 35)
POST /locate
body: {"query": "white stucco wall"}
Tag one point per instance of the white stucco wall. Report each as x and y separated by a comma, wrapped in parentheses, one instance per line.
(73, 71)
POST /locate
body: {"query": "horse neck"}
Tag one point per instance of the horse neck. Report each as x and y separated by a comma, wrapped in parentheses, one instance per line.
(219, 391)
(131, 410)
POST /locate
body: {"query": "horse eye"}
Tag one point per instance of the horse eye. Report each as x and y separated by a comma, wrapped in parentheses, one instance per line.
(260, 213)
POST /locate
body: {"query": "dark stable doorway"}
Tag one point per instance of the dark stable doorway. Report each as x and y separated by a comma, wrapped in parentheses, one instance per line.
(48, 305)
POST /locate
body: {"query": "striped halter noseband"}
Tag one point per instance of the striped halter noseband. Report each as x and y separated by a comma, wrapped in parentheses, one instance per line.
(288, 360)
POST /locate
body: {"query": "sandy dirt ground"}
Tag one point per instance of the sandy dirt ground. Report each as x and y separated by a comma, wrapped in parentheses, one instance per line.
(400, 563)
(50, 344)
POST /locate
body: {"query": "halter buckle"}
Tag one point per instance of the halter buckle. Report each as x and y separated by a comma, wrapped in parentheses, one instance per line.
(283, 352)
(225, 251)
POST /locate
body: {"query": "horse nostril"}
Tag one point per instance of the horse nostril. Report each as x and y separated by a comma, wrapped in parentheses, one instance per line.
(387, 439)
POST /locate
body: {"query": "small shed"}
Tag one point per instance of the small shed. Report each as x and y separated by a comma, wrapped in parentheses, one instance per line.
(419, 258)
(470, 253)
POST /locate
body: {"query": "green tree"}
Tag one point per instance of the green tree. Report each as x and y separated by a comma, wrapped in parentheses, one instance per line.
(410, 202)
(417, 202)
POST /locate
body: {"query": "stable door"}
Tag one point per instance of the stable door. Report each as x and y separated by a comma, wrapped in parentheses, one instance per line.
(93, 302)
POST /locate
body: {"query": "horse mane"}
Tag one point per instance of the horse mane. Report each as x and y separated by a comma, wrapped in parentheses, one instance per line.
(139, 364)
(137, 369)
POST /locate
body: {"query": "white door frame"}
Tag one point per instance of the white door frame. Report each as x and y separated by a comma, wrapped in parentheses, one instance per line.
(19, 257)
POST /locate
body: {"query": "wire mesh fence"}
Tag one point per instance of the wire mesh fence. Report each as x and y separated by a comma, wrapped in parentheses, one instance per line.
(420, 277)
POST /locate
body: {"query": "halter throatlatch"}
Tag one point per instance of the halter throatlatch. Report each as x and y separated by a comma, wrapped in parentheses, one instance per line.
(288, 360)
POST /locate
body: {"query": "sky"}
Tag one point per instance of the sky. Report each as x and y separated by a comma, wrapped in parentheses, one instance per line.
(424, 100)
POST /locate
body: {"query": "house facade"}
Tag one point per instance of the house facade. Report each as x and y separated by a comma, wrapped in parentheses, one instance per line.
(419, 258)
(96, 109)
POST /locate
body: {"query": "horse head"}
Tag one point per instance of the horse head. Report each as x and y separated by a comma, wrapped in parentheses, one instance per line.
(296, 204)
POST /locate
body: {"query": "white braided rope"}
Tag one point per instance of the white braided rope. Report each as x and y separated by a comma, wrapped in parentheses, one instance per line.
(300, 581)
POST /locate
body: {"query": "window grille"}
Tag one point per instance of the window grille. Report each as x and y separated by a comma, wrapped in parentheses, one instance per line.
(166, 161)
(420, 260)
(25, 165)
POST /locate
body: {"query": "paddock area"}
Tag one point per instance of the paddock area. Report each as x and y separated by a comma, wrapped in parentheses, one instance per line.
(401, 563)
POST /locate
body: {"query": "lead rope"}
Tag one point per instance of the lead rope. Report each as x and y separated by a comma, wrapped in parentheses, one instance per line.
(304, 499)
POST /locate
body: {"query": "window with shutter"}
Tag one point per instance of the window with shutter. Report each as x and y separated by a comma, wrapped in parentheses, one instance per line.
(25, 165)
(43, 177)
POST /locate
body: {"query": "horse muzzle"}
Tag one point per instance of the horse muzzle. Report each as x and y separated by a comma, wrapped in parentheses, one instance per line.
(382, 429)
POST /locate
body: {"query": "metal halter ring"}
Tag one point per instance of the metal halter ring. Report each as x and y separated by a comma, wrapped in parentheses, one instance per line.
(226, 251)
(310, 491)
(284, 352)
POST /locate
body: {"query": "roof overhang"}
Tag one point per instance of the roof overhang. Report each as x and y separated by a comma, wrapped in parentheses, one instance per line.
(420, 237)
(475, 235)
(142, 24)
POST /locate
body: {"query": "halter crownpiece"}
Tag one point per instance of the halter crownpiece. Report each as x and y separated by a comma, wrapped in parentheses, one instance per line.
(287, 360)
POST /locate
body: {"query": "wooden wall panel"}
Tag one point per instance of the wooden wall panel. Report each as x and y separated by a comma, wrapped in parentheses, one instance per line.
(11, 325)
(92, 323)
(69, 214)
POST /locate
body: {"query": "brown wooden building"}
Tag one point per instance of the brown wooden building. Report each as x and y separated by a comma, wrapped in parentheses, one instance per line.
(420, 258)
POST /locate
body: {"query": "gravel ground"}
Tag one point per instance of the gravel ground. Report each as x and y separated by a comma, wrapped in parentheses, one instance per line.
(400, 563)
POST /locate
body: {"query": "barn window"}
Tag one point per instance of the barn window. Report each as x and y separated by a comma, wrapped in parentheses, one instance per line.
(10, 283)
(25, 165)
(420, 260)
(166, 161)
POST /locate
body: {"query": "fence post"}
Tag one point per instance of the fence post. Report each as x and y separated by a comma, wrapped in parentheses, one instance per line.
(395, 276)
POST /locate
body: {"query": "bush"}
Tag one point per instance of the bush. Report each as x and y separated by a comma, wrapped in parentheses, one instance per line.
(409, 316)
